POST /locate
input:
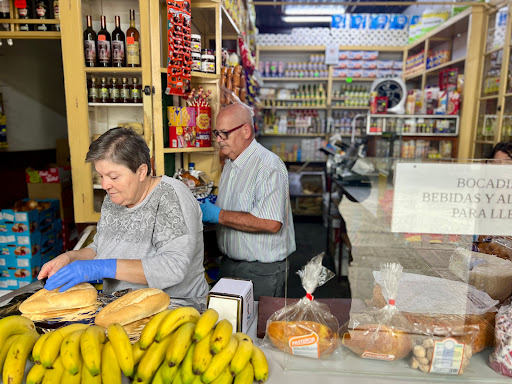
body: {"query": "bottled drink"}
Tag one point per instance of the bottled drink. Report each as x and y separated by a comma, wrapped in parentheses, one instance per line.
(4, 9)
(56, 13)
(104, 91)
(25, 13)
(136, 91)
(104, 58)
(90, 44)
(94, 91)
(115, 91)
(132, 43)
(118, 45)
(42, 11)
(126, 95)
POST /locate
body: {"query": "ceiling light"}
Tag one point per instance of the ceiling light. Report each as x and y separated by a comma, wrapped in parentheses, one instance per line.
(313, 10)
(306, 19)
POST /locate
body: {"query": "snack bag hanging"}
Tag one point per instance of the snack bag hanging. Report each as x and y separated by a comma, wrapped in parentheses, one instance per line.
(179, 62)
(306, 328)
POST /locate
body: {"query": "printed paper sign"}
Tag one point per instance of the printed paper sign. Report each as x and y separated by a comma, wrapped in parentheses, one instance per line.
(453, 199)
(331, 54)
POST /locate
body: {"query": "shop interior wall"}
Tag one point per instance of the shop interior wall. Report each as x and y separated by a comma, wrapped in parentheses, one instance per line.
(32, 86)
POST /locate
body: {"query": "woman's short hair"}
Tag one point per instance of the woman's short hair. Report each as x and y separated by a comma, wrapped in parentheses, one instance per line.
(504, 146)
(121, 146)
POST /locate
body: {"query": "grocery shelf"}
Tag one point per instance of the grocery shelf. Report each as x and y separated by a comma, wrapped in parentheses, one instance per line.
(116, 104)
(415, 74)
(30, 35)
(292, 107)
(494, 50)
(354, 79)
(194, 149)
(345, 107)
(445, 65)
(229, 26)
(321, 48)
(272, 79)
(485, 142)
(31, 21)
(508, 94)
(293, 135)
(292, 100)
(491, 97)
(107, 70)
(414, 134)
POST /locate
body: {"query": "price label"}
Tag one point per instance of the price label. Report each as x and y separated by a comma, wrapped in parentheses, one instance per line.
(130, 40)
(102, 37)
(20, 4)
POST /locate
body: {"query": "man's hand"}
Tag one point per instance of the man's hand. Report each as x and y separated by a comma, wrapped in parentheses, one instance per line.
(51, 267)
(210, 212)
(81, 271)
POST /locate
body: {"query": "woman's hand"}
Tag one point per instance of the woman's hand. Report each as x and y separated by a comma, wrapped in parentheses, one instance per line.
(51, 267)
(82, 271)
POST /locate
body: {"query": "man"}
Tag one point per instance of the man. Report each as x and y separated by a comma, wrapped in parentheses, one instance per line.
(256, 231)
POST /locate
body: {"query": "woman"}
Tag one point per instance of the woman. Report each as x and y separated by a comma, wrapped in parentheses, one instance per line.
(150, 231)
(502, 152)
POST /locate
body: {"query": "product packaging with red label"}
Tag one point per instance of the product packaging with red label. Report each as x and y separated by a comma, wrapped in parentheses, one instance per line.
(203, 127)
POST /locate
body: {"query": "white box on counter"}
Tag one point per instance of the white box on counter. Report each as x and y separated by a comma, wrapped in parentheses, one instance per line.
(234, 300)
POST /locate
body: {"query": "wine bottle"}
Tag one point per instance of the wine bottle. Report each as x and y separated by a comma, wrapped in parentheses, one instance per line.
(56, 13)
(104, 53)
(90, 44)
(24, 12)
(42, 11)
(118, 45)
(132, 43)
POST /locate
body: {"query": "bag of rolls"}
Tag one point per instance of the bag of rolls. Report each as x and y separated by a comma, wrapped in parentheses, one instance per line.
(306, 328)
(381, 334)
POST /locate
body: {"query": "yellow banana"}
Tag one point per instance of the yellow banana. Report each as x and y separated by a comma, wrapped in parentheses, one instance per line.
(14, 366)
(122, 347)
(70, 352)
(36, 374)
(158, 379)
(168, 373)
(14, 325)
(205, 323)
(68, 378)
(54, 375)
(220, 361)
(246, 375)
(187, 375)
(137, 352)
(5, 348)
(90, 346)
(197, 380)
(110, 369)
(175, 319)
(221, 336)
(177, 377)
(182, 339)
(224, 378)
(243, 353)
(202, 356)
(36, 351)
(51, 347)
(87, 377)
(260, 365)
(148, 333)
(152, 359)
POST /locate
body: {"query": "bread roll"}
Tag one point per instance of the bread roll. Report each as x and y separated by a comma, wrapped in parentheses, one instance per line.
(133, 306)
(280, 333)
(79, 296)
(378, 342)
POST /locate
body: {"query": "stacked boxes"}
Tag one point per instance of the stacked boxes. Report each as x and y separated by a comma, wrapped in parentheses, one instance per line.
(30, 235)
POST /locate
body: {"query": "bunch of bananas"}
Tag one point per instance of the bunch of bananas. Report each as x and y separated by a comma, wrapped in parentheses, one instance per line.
(176, 346)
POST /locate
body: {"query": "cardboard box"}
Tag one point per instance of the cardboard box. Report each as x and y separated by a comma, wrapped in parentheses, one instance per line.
(60, 191)
(234, 300)
(50, 175)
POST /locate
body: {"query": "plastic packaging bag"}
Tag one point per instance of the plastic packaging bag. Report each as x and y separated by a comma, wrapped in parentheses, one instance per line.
(306, 328)
(381, 334)
(500, 360)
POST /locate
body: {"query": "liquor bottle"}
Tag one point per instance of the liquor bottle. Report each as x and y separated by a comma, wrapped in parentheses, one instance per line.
(136, 91)
(118, 45)
(56, 13)
(104, 57)
(42, 12)
(4, 9)
(25, 13)
(132, 43)
(94, 91)
(104, 91)
(90, 44)
(115, 91)
(126, 95)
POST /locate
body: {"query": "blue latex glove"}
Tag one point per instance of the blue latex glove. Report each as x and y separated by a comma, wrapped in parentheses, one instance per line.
(210, 212)
(81, 271)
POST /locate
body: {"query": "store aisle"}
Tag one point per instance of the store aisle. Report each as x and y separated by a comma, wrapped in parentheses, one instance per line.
(311, 239)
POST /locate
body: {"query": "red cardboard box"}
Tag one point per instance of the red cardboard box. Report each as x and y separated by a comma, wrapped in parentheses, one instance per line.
(50, 175)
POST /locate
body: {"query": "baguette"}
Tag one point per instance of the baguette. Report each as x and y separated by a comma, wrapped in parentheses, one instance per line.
(133, 306)
(43, 301)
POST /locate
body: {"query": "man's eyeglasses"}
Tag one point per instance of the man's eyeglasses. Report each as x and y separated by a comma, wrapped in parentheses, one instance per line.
(224, 134)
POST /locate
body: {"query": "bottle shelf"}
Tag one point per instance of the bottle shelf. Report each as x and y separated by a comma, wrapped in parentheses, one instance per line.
(284, 135)
(116, 104)
(107, 70)
(35, 35)
(194, 149)
(291, 107)
(272, 79)
(341, 107)
(352, 79)
(30, 21)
